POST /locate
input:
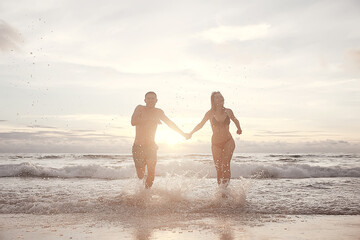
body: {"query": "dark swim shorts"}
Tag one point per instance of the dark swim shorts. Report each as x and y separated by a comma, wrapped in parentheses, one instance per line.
(143, 154)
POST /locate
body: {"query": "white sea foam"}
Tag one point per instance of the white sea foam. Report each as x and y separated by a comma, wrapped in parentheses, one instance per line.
(291, 171)
(184, 185)
(27, 169)
(198, 169)
(178, 195)
(170, 194)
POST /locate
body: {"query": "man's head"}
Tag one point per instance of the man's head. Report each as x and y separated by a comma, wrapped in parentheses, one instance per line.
(150, 99)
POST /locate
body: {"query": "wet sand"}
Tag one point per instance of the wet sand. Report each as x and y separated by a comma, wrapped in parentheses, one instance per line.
(96, 226)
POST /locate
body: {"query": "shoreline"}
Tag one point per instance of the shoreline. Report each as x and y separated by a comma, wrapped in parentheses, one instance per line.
(259, 226)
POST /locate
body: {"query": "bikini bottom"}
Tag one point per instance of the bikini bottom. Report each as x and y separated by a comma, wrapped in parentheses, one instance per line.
(222, 144)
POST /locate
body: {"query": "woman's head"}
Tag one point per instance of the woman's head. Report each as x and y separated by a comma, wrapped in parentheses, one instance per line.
(217, 100)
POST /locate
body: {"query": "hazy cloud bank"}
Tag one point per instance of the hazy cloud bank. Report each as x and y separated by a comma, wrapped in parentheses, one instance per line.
(10, 38)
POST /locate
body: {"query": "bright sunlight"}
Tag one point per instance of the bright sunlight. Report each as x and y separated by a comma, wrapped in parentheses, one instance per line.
(168, 136)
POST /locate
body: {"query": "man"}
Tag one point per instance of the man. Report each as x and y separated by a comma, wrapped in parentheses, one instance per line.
(145, 119)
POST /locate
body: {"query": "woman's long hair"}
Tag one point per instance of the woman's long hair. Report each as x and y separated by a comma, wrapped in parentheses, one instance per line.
(213, 99)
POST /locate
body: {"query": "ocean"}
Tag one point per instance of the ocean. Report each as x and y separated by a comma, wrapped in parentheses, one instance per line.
(185, 185)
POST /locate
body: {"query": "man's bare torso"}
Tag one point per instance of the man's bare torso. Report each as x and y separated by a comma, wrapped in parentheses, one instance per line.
(146, 128)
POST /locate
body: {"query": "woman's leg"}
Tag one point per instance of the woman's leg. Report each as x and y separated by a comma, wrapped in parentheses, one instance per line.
(217, 152)
(225, 161)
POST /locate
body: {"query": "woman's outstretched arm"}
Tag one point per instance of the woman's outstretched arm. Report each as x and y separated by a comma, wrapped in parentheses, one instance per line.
(235, 120)
(201, 124)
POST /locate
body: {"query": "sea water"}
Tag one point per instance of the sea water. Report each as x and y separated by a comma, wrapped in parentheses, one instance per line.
(185, 185)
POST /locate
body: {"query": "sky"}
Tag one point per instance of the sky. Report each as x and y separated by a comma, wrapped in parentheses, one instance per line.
(72, 73)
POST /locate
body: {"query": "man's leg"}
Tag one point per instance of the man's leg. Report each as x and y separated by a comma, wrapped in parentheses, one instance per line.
(151, 174)
(139, 160)
(151, 159)
(140, 172)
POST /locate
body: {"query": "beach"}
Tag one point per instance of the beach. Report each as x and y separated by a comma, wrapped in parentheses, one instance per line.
(270, 196)
(84, 226)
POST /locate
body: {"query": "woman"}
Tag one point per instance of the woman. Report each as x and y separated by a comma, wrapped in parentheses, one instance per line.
(222, 143)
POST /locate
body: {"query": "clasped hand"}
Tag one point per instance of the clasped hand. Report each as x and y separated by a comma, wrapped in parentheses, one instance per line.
(187, 135)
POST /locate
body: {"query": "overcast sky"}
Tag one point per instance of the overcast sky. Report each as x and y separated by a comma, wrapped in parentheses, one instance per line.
(72, 72)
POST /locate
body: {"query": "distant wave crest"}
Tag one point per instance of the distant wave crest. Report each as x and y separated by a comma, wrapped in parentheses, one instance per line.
(199, 169)
(27, 169)
(293, 171)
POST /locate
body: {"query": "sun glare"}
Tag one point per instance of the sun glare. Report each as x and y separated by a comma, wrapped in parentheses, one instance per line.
(168, 136)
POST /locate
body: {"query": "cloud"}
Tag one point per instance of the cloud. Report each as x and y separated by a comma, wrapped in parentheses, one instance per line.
(54, 135)
(293, 134)
(63, 141)
(77, 141)
(223, 34)
(260, 55)
(10, 38)
(40, 126)
(352, 60)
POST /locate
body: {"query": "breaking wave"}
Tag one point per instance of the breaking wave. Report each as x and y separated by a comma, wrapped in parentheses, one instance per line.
(199, 169)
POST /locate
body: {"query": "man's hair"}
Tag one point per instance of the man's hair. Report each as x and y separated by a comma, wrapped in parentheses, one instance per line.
(151, 92)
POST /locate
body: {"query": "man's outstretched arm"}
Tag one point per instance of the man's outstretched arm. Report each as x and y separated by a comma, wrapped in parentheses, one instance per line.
(171, 124)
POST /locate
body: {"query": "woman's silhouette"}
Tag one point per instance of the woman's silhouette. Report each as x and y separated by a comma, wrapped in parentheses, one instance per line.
(222, 143)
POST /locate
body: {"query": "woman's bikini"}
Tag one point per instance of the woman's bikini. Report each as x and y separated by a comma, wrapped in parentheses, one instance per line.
(215, 122)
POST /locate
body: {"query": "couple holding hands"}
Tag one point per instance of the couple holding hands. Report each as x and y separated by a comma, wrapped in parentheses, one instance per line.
(146, 118)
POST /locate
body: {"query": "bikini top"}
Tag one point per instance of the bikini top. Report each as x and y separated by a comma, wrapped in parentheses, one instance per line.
(217, 123)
